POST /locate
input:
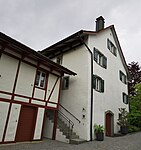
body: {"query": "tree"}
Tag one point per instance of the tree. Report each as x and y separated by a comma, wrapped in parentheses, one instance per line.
(135, 76)
(135, 109)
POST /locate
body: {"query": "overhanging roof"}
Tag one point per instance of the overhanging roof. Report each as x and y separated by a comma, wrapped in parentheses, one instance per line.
(16, 46)
(75, 40)
(65, 45)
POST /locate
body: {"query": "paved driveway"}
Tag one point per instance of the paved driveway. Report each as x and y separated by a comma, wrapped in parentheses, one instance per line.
(128, 142)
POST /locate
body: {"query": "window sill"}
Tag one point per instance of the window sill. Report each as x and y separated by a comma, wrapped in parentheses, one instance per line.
(42, 88)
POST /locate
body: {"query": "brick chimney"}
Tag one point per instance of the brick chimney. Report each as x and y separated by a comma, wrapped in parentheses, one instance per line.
(99, 23)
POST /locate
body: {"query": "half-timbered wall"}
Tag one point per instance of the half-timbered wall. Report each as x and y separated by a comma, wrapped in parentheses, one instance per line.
(17, 89)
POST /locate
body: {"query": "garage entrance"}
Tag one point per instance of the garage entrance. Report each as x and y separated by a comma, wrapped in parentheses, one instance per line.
(26, 124)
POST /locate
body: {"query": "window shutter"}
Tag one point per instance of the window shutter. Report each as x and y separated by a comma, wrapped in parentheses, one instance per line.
(108, 44)
(125, 98)
(120, 75)
(104, 62)
(125, 79)
(94, 81)
(102, 85)
(115, 51)
(95, 54)
(65, 83)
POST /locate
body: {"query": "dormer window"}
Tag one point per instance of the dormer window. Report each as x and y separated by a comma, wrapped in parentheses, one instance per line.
(111, 47)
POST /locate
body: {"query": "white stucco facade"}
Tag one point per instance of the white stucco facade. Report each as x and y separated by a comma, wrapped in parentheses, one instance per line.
(77, 98)
(111, 99)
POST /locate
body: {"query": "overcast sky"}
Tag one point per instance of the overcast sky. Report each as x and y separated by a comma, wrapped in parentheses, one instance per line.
(40, 23)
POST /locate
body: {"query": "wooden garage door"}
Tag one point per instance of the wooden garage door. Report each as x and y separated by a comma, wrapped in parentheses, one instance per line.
(26, 124)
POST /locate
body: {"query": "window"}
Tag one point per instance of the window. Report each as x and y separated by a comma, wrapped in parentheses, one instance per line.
(40, 79)
(123, 77)
(100, 58)
(65, 83)
(125, 98)
(111, 47)
(98, 83)
(59, 59)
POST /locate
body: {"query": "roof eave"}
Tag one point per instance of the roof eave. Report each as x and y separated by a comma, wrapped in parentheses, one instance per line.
(21, 48)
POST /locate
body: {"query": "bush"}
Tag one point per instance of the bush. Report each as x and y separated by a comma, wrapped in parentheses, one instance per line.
(133, 129)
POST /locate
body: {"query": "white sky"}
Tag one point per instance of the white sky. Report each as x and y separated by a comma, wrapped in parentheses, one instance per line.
(40, 23)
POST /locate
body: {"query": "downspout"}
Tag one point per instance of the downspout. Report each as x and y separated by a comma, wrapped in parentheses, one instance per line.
(91, 111)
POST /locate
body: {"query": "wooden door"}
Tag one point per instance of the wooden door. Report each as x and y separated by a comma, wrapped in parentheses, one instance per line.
(108, 124)
(26, 124)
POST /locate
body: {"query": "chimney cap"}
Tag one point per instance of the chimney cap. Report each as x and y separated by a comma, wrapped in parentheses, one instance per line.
(100, 18)
(100, 23)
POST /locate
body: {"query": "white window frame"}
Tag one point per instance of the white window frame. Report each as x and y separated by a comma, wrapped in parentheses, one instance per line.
(40, 79)
(111, 47)
(98, 83)
(100, 58)
(123, 77)
(125, 98)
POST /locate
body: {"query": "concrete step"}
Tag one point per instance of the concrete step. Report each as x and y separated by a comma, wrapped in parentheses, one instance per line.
(77, 141)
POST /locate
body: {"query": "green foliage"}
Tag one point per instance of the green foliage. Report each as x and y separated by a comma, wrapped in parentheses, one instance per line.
(135, 76)
(98, 128)
(133, 129)
(123, 117)
(134, 116)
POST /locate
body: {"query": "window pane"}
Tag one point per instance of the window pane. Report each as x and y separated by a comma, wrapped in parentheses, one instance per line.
(59, 59)
(125, 98)
(95, 54)
(111, 47)
(98, 83)
(40, 79)
(65, 84)
(104, 62)
(37, 78)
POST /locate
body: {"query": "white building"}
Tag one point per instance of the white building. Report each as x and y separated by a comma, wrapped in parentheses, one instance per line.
(100, 87)
(29, 87)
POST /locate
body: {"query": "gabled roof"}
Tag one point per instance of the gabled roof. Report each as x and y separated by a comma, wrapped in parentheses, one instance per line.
(75, 40)
(20, 48)
(68, 43)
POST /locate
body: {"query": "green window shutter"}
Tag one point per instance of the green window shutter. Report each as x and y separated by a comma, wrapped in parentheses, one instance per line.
(102, 85)
(114, 50)
(104, 62)
(125, 79)
(65, 83)
(108, 44)
(94, 81)
(125, 98)
(120, 75)
(95, 54)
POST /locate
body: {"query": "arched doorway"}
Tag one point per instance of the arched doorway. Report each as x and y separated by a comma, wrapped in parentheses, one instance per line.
(109, 123)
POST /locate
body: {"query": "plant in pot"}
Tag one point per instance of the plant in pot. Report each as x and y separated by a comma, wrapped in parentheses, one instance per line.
(99, 132)
(123, 121)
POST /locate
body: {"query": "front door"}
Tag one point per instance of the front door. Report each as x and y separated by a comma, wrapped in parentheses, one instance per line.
(26, 124)
(109, 124)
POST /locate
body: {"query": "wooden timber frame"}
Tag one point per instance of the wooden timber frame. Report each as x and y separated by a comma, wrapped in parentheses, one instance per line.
(24, 54)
